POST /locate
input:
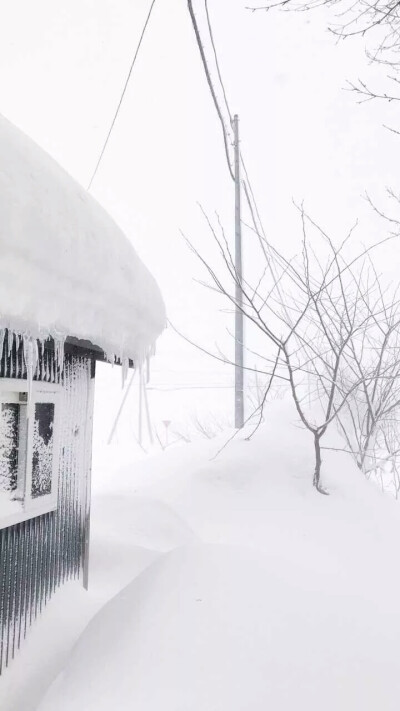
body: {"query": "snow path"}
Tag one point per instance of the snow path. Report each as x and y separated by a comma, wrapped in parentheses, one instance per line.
(128, 534)
(247, 589)
(214, 627)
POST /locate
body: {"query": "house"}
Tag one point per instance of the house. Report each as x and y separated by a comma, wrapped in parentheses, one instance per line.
(72, 292)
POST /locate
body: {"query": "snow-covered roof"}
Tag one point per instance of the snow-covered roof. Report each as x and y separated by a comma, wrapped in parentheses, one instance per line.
(66, 269)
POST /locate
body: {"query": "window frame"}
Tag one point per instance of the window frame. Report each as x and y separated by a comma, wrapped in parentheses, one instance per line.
(38, 392)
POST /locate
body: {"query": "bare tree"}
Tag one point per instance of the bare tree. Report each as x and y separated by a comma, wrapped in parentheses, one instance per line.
(377, 400)
(389, 464)
(331, 324)
(314, 313)
(369, 420)
(379, 19)
(207, 426)
(353, 17)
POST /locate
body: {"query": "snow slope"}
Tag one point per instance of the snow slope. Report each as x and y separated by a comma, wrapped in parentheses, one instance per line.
(218, 627)
(66, 269)
(272, 596)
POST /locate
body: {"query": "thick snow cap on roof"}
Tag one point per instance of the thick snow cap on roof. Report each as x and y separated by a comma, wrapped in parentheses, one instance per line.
(66, 269)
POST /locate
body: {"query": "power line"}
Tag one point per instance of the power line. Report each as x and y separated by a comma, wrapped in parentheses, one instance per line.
(239, 326)
(123, 94)
(250, 189)
(176, 388)
(264, 244)
(250, 197)
(210, 85)
(216, 61)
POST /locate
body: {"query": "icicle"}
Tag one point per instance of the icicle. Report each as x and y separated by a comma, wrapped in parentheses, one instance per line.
(147, 368)
(124, 369)
(36, 357)
(30, 356)
(42, 362)
(62, 355)
(21, 358)
(17, 345)
(53, 368)
(36, 374)
(14, 360)
(59, 353)
(147, 409)
(11, 366)
(46, 366)
(2, 335)
(140, 405)
(10, 340)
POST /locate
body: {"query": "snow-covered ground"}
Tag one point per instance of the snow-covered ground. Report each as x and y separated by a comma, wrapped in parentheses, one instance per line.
(241, 587)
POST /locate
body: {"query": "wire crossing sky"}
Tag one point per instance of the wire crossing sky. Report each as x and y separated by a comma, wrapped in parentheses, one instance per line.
(122, 95)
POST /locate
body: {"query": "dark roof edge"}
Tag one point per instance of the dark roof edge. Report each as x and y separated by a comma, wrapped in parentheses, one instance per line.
(82, 347)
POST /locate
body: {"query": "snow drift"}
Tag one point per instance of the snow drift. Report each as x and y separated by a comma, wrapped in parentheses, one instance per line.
(66, 269)
(284, 599)
(228, 628)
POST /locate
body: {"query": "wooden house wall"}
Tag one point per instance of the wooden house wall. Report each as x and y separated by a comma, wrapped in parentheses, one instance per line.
(40, 554)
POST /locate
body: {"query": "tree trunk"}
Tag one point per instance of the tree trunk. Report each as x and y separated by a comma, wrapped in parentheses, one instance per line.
(318, 463)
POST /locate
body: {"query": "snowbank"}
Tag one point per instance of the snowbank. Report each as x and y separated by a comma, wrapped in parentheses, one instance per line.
(66, 269)
(227, 628)
(272, 597)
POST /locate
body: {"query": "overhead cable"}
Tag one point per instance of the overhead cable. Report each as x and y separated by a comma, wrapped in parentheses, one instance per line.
(122, 95)
(210, 85)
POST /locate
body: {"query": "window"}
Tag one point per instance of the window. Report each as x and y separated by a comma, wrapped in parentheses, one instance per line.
(28, 450)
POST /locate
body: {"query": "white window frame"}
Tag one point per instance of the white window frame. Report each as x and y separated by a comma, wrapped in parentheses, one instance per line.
(39, 392)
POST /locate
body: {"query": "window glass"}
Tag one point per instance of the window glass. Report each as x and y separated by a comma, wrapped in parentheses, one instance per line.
(28, 452)
(42, 449)
(9, 438)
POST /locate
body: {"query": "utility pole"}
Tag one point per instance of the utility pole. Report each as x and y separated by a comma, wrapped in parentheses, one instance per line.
(239, 399)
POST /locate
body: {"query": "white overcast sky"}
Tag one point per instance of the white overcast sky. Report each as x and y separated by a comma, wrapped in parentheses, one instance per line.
(63, 68)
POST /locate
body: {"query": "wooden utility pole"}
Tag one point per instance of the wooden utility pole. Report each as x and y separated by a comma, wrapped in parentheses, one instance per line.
(239, 399)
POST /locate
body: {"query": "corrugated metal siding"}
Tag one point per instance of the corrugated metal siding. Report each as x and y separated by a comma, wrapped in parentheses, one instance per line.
(40, 554)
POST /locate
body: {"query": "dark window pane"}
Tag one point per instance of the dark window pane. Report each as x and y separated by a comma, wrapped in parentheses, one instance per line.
(9, 429)
(42, 454)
